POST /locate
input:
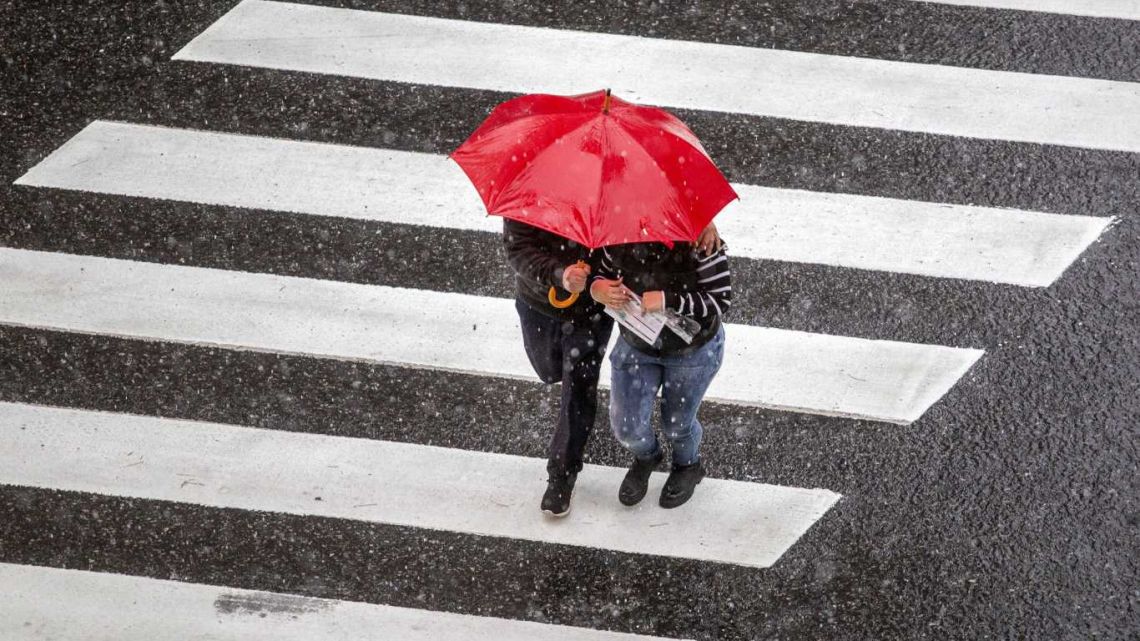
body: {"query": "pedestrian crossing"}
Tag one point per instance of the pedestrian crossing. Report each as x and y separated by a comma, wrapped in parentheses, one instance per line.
(863, 232)
(834, 375)
(489, 498)
(1055, 110)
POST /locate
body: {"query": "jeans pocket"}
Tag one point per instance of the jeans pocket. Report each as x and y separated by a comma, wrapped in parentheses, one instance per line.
(623, 356)
(716, 350)
(706, 358)
(617, 354)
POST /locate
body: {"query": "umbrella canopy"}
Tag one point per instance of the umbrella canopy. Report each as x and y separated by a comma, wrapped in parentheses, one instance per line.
(595, 169)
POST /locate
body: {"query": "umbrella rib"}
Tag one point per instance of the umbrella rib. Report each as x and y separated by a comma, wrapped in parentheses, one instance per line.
(595, 216)
(676, 138)
(648, 155)
(695, 143)
(515, 177)
(563, 134)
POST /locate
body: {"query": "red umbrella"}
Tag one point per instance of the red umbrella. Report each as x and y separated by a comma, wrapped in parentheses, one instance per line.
(594, 169)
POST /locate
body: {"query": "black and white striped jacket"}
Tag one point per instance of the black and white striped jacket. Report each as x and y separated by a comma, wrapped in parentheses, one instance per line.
(695, 285)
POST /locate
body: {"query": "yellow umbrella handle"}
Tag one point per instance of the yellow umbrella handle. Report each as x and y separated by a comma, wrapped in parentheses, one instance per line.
(552, 295)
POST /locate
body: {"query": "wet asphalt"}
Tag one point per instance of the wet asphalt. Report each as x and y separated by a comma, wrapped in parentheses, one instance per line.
(1011, 510)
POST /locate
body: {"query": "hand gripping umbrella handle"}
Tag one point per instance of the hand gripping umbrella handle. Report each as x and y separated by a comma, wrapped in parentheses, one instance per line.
(552, 295)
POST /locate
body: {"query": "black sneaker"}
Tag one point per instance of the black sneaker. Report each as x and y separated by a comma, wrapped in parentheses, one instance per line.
(556, 500)
(636, 481)
(680, 484)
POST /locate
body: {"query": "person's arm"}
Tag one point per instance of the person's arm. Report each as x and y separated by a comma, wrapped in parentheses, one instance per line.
(713, 294)
(605, 283)
(528, 253)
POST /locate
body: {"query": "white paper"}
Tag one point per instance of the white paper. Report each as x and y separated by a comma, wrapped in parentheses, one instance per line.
(647, 326)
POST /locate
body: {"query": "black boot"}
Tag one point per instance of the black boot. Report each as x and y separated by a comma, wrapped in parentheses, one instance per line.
(636, 481)
(680, 484)
(559, 487)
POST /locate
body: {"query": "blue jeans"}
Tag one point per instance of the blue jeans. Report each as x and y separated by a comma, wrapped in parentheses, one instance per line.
(683, 381)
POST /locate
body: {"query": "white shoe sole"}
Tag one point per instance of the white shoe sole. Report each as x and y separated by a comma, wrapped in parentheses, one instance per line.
(562, 515)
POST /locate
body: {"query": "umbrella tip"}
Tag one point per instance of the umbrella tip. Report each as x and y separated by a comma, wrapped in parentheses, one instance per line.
(606, 103)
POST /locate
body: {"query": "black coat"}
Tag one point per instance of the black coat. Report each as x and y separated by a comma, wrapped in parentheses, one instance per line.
(538, 258)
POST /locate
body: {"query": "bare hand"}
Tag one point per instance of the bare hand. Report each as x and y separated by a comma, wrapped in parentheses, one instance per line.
(574, 277)
(709, 241)
(653, 301)
(610, 293)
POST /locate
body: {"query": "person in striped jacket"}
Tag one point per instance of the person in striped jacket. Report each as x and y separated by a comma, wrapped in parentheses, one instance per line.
(693, 285)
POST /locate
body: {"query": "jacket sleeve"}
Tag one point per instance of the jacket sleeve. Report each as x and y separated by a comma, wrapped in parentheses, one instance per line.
(602, 266)
(529, 254)
(713, 293)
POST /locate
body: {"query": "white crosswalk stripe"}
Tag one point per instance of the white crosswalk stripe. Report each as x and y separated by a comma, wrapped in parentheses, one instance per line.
(398, 483)
(933, 239)
(881, 380)
(1123, 9)
(976, 103)
(71, 605)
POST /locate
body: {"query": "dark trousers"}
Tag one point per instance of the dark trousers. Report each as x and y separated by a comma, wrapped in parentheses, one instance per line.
(568, 352)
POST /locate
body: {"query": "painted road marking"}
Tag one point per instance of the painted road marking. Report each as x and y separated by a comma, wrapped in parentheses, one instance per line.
(73, 605)
(782, 369)
(864, 232)
(734, 522)
(863, 92)
(1123, 9)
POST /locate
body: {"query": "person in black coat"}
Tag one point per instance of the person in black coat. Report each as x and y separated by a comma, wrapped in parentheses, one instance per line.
(564, 345)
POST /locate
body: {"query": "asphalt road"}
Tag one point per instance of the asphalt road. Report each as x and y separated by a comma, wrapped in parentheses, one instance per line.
(1010, 510)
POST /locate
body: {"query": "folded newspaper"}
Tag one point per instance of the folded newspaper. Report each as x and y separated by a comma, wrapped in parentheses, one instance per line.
(648, 325)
